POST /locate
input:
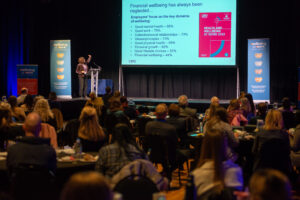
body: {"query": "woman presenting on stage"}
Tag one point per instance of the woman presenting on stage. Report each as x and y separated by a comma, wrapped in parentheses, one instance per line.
(82, 70)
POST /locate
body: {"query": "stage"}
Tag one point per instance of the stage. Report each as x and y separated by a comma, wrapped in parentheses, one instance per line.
(72, 107)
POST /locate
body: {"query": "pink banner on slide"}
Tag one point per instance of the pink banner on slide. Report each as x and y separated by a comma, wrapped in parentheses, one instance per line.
(215, 34)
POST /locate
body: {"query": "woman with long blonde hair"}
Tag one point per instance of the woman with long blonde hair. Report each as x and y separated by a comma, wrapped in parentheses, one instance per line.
(43, 109)
(214, 171)
(272, 146)
(90, 132)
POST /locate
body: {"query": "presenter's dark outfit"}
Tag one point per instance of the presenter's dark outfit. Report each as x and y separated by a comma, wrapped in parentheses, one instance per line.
(82, 70)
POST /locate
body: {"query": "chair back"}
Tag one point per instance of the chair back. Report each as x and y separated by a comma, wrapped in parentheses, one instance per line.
(214, 194)
(274, 154)
(71, 132)
(32, 182)
(136, 187)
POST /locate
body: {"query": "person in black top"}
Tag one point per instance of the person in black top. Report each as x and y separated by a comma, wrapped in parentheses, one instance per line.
(32, 150)
(287, 114)
(107, 96)
(261, 113)
(129, 111)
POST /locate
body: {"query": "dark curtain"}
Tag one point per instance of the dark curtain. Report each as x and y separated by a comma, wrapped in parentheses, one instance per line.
(197, 83)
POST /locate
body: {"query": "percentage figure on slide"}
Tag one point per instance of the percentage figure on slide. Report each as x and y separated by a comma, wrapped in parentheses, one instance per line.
(173, 50)
(184, 34)
(165, 38)
(164, 46)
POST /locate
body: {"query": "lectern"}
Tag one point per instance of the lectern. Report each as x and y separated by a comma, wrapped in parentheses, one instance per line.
(94, 79)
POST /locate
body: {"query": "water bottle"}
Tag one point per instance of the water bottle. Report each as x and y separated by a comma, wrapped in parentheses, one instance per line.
(190, 190)
(201, 127)
(77, 149)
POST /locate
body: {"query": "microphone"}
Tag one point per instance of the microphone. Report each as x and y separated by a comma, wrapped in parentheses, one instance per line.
(98, 66)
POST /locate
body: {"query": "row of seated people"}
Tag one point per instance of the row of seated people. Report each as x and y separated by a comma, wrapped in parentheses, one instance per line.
(215, 170)
(272, 126)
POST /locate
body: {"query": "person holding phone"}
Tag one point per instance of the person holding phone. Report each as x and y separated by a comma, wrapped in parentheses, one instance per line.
(82, 70)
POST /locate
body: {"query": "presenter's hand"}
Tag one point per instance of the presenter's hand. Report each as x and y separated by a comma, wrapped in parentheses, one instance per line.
(89, 55)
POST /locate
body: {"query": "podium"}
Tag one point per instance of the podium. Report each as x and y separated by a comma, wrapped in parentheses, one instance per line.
(94, 79)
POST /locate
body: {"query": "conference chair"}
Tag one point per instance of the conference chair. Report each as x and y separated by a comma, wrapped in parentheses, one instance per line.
(136, 187)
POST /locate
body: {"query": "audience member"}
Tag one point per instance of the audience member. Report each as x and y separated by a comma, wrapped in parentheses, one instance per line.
(122, 150)
(213, 101)
(252, 106)
(95, 102)
(90, 132)
(87, 186)
(115, 115)
(59, 119)
(17, 112)
(21, 98)
(214, 171)
(28, 104)
(179, 123)
(185, 111)
(220, 122)
(271, 146)
(8, 129)
(129, 111)
(211, 111)
(267, 184)
(261, 113)
(295, 142)
(287, 114)
(235, 114)
(32, 149)
(246, 108)
(36, 98)
(43, 109)
(107, 96)
(52, 100)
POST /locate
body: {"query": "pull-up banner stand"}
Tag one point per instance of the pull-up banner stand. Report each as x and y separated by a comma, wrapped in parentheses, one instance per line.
(27, 76)
(60, 68)
(259, 69)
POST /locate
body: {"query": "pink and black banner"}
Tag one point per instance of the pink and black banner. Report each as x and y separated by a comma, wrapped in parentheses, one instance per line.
(27, 76)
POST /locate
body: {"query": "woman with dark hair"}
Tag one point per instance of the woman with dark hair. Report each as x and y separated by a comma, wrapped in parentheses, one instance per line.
(28, 104)
(214, 171)
(252, 106)
(220, 122)
(235, 114)
(17, 112)
(122, 150)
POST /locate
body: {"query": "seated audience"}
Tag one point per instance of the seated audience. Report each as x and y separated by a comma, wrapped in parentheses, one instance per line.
(107, 96)
(246, 108)
(43, 109)
(21, 98)
(129, 111)
(90, 132)
(235, 114)
(122, 150)
(214, 171)
(261, 113)
(287, 114)
(59, 119)
(211, 111)
(252, 106)
(219, 121)
(271, 146)
(32, 149)
(95, 102)
(8, 129)
(295, 142)
(115, 115)
(52, 100)
(213, 101)
(179, 123)
(28, 104)
(185, 111)
(267, 184)
(87, 186)
(17, 112)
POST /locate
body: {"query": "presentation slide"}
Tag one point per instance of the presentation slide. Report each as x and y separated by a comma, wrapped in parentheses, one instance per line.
(179, 32)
